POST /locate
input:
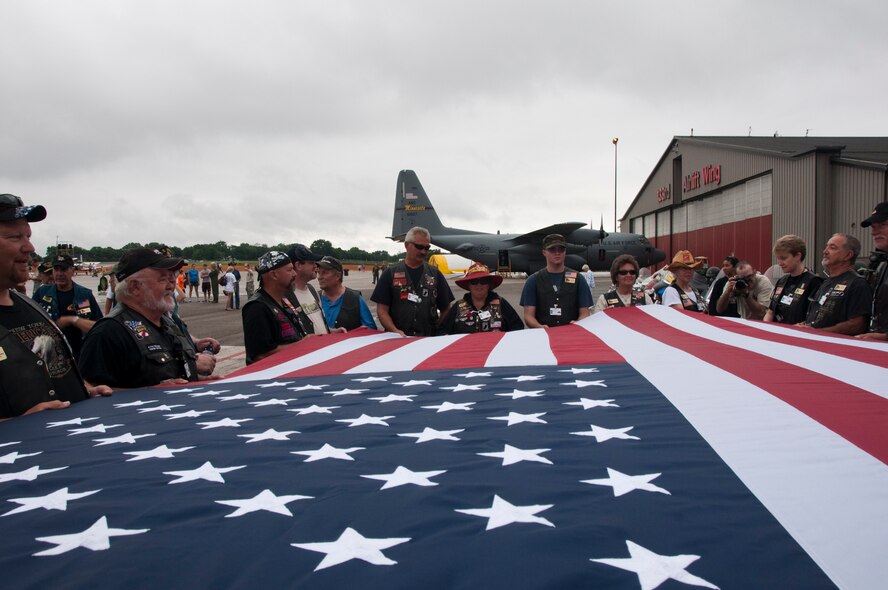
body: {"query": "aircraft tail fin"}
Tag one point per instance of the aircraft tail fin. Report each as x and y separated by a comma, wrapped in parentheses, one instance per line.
(413, 207)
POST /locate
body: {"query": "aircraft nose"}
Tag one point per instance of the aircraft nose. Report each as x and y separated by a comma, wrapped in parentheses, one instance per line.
(657, 255)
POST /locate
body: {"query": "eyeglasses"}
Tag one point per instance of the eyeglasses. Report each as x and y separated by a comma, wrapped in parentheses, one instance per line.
(7, 200)
(420, 246)
(484, 281)
(556, 249)
(627, 272)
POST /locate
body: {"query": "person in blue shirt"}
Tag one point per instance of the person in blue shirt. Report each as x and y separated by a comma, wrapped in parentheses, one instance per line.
(343, 307)
(72, 307)
(193, 281)
(552, 296)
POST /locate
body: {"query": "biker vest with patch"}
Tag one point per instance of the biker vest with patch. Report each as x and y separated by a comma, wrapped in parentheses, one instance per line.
(165, 352)
(287, 319)
(687, 303)
(470, 320)
(796, 309)
(565, 299)
(413, 307)
(612, 298)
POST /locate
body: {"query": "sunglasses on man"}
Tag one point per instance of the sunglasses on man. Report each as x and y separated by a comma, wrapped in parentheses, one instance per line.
(556, 249)
(623, 273)
(420, 246)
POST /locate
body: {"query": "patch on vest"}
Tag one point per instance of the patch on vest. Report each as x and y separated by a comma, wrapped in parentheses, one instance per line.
(155, 348)
(138, 328)
(570, 277)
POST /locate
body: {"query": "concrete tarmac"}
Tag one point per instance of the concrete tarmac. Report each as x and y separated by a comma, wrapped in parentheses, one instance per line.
(211, 319)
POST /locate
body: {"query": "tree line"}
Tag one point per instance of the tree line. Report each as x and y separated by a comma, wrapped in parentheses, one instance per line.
(221, 251)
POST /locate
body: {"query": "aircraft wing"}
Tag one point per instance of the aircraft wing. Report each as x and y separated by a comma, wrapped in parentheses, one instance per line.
(537, 235)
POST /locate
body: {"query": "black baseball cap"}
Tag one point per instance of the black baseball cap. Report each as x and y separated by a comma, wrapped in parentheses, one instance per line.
(300, 253)
(12, 208)
(63, 261)
(331, 263)
(879, 215)
(136, 259)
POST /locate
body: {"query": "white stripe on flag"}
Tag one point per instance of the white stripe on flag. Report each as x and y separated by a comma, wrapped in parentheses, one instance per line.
(817, 336)
(520, 348)
(865, 376)
(312, 358)
(828, 494)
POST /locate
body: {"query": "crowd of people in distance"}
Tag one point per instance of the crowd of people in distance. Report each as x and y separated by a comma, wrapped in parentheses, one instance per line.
(59, 347)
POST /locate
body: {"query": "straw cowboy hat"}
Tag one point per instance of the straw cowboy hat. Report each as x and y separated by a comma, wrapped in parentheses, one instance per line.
(479, 271)
(683, 259)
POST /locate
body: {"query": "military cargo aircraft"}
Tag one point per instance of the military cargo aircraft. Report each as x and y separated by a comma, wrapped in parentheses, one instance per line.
(514, 252)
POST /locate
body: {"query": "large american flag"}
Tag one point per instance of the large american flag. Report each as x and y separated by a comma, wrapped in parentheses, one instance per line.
(640, 448)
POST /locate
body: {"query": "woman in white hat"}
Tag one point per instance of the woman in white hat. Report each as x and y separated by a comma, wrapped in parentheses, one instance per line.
(680, 294)
(481, 309)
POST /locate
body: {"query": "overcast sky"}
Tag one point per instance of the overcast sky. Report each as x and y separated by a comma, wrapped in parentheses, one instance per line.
(282, 121)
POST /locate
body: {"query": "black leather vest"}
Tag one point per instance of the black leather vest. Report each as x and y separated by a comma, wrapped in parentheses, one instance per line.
(165, 352)
(565, 298)
(350, 311)
(613, 299)
(470, 320)
(290, 324)
(412, 317)
(797, 310)
(23, 376)
(686, 302)
(827, 314)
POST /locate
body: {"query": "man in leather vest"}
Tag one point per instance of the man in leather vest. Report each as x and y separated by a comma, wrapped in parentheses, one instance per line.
(551, 296)
(37, 369)
(843, 302)
(270, 319)
(878, 273)
(343, 307)
(411, 295)
(138, 344)
(72, 307)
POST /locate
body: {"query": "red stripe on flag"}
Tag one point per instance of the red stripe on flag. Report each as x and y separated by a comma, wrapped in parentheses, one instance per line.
(862, 354)
(856, 415)
(573, 345)
(466, 353)
(304, 347)
(351, 359)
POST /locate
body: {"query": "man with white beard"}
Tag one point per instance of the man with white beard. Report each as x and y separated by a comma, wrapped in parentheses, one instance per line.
(138, 344)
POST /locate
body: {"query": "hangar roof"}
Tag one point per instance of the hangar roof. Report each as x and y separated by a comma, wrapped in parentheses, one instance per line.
(860, 149)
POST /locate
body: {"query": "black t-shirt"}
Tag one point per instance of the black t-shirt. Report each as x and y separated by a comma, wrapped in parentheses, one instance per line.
(37, 335)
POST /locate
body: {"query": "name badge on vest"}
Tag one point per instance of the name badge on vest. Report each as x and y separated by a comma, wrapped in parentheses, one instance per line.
(2, 354)
(786, 299)
(822, 299)
(484, 315)
(555, 311)
(414, 298)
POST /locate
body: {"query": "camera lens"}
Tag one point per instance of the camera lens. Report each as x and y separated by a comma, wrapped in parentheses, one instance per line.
(741, 284)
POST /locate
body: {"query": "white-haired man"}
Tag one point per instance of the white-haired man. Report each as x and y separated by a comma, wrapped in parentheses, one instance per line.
(138, 344)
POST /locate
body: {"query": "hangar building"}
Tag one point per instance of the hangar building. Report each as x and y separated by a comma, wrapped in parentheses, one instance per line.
(719, 196)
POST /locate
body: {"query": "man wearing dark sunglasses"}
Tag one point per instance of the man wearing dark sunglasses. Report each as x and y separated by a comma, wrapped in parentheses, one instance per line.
(411, 294)
(552, 296)
(37, 369)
